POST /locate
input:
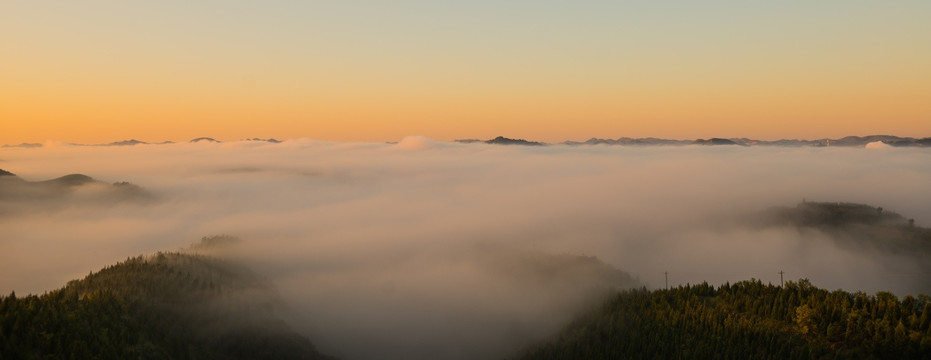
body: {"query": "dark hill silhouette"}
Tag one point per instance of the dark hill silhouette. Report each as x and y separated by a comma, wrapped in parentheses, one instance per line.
(852, 224)
(715, 141)
(204, 139)
(18, 195)
(833, 215)
(70, 180)
(630, 141)
(23, 145)
(501, 140)
(271, 140)
(848, 141)
(6, 173)
(129, 142)
(863, 140)
(860, 228)
(534, 267)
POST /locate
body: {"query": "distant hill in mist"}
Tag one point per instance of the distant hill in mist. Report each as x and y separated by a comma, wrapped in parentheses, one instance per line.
(501, 140)
(847, 141)
(126, 143)
(205, 139)
(130, 142)
(716, 141)
(833, 215)
(861, 229)
(853, 225)
(23, 145)
(19, 195)
(587, 273)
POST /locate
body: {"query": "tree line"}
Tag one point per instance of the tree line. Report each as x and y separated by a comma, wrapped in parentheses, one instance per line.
(167, 306)
(746, 320)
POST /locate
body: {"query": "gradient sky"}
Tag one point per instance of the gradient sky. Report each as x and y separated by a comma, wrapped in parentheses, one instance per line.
(100, 71)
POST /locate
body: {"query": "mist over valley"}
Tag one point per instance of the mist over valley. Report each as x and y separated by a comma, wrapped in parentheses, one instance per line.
(452, 250)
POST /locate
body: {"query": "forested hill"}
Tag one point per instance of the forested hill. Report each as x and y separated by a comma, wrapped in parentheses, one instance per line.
(895, 243)
(853, 225)
(167, 306)
(19, 196)
(746, 320)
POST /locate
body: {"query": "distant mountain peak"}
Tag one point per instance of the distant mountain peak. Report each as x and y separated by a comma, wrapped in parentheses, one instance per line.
(72, 180)
(716, 141)
(501, 140)
(6, 173)
(24, 145)
(847, 141)
(205, 139)
(271, 140)
(129, 142)
(630, 141)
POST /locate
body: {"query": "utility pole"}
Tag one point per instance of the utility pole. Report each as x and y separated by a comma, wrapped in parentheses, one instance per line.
(667, 279)
(781, 283)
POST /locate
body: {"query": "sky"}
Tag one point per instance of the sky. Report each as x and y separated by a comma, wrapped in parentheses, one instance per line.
(372, 71)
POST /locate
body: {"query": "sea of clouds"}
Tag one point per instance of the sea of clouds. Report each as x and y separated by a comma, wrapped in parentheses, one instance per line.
(382, 249)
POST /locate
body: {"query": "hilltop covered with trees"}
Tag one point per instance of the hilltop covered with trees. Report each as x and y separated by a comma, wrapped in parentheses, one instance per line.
(167, 306)
(746, 320)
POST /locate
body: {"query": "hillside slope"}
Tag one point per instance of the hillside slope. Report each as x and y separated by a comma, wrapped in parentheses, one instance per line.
(746, 320)
(168, 306)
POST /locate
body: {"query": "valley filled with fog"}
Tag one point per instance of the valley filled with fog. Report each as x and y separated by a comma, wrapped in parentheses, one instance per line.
(448, 250)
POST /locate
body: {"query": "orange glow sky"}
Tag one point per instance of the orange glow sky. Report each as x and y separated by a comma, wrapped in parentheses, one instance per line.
(102, 71)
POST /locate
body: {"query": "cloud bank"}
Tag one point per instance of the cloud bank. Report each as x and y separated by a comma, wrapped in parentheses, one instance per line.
(407, 250)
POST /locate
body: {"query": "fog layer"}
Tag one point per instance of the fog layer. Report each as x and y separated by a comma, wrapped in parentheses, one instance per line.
(420, 249)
